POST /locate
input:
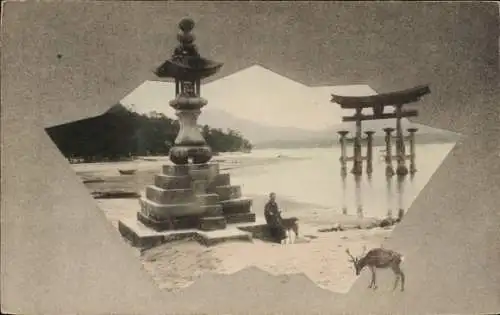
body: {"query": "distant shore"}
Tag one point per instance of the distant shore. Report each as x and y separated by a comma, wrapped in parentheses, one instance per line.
(378, 141)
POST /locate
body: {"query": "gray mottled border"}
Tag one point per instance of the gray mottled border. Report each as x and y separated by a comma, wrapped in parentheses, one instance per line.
(59, 255)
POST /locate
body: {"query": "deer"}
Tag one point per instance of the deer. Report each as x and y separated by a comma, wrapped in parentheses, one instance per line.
(379, 258)
(290, 224)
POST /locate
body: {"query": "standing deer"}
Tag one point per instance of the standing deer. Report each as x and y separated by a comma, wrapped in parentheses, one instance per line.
(290, 224)
(379, 258)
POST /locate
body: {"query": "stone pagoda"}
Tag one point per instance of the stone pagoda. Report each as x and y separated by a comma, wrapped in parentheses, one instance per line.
(191, 193)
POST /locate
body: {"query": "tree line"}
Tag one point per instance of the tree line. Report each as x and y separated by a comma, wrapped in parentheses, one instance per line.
(120, 134)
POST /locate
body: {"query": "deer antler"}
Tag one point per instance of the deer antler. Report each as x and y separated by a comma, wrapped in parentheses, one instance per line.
(350, 255)
(364, 251)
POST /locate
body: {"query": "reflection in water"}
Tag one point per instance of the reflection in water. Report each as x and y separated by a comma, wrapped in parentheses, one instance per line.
(410, 189)
(370, 185)
(412, 177)
(389, 195)
(378, 195)
(401, 193)
(373, 194)
(344, 191)
(358, 197)
(370, 177)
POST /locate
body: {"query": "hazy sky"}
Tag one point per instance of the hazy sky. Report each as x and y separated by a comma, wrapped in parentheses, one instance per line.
(256, 94)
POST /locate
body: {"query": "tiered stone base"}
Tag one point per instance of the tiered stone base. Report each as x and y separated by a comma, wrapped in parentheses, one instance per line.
(144, 237)
(193, 196)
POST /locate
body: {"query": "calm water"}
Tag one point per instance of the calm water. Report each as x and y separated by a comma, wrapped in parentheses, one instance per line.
(315, 178)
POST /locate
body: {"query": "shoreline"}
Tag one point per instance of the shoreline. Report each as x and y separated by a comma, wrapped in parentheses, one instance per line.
(319, 255)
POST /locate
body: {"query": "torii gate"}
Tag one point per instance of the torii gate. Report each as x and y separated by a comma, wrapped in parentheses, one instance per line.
(378, 102)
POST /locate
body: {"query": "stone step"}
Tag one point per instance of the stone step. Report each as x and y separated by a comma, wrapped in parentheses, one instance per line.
(212, 223)
(186, 181)
(142, 235)
(227, 192)
(166, 211)
(176, 170)
(169, 196)
(212, 210)
(199, 186)
(188, 222)
(238, 205)
(219, 180)
(163, 212)
(155, 223)
(205, 174)
(240, 217)
(195, 170)
(230, 234)
(208, 199)
(172, 182)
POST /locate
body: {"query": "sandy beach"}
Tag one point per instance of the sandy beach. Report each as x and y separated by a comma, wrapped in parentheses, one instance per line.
(319, 255)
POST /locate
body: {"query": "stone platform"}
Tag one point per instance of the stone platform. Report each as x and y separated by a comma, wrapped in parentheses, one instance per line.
(193, 196)
(142, 236)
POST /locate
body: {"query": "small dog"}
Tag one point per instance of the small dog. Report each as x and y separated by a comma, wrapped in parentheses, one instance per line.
(290, 224)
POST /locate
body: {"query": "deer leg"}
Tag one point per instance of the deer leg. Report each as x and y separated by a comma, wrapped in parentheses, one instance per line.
(402, 275)
(396, 281)
(399, 274)
(283, 237)
(373, 281)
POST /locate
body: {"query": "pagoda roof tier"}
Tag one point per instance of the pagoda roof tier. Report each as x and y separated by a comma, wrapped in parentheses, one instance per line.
(186, 64)
(188, 68)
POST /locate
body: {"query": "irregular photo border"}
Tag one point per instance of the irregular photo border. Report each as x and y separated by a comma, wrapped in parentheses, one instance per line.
(59, 254)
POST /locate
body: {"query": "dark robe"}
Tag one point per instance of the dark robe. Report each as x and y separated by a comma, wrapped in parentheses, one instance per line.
(273, 220)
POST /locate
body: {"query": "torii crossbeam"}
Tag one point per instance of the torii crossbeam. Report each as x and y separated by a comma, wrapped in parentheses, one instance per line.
(378, 103)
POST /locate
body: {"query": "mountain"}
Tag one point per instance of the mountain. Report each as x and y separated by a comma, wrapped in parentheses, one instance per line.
(256, 132)
(154, 96)
(261, 95)
(151, 96)
(425, 134)
(329, 137)
(271, 110)
(262, 105)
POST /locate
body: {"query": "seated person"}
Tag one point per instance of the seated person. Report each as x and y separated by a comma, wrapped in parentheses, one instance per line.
(274, 220)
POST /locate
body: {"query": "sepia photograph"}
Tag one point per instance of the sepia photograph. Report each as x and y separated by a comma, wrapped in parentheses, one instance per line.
(250, 157)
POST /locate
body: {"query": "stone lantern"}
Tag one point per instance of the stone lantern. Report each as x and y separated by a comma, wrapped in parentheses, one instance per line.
(191, 193)
(187, 68)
